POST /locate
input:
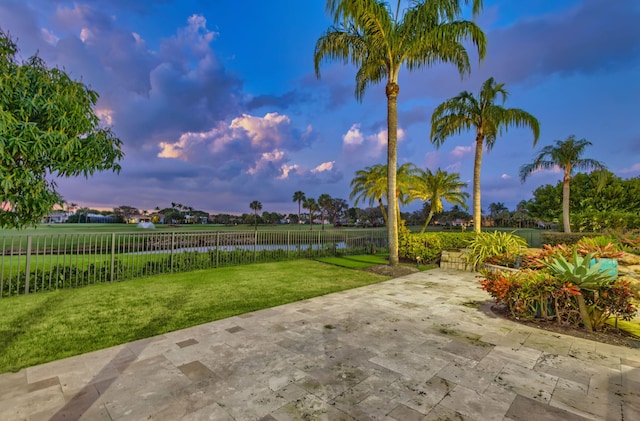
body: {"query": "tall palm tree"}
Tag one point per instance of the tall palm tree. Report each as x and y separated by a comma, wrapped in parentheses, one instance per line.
(299, 197)
(310, 203)
(379, 41)
(466, 112)
(567, 155)
(255, 207)
(324, 203)
(437, 187)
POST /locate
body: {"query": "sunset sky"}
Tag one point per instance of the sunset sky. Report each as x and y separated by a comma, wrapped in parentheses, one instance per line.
(218, 105)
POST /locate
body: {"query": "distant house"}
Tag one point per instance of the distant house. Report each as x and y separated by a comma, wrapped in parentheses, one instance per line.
(56, 218)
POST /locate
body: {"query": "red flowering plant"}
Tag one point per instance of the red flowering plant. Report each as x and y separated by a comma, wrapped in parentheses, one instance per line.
(599, 247)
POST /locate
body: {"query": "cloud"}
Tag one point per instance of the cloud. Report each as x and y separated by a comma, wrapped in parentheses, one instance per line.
(325, 166)
(460, 152)
(505, 176)
(255, 145)
(633, 169)
(591, 37)
(360, 147)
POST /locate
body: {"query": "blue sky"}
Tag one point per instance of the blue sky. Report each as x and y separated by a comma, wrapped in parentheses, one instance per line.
(218, 105)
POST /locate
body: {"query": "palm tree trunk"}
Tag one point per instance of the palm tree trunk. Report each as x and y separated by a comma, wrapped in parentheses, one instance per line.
(384, 212)
(392, 91)
(565, 202)
(426, 223)
(477, 164)
(299, 203)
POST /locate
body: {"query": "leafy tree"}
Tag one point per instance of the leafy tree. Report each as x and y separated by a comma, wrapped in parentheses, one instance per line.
(337, 210)
(124, 213)
(379, 41)
(324, 203)
(299, 197)
(437, 187)
(466, 112)
(255, 206)
(48, 128)
(567, 155)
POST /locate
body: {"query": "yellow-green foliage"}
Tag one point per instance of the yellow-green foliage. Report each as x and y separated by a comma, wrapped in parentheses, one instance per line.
(489, 244)
(429, 245)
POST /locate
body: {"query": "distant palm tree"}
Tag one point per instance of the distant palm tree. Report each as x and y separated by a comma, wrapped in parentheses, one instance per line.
(299, 197)
(310, 203)
(324, 203)
(379, 41)
(567, 155)
(434, 188)
(466, 112)
(255, 207)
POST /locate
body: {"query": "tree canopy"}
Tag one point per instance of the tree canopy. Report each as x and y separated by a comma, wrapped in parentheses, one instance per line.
(48, 129)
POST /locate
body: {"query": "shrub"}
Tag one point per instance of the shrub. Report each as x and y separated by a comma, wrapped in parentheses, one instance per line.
(429, 245)
(490, 244)
(600, 247)
(569, 238)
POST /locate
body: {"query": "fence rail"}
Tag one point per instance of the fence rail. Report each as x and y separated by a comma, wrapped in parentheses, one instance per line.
(36, 263)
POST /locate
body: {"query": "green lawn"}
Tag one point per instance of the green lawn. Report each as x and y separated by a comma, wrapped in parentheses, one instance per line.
(39, 328)
(357, 262)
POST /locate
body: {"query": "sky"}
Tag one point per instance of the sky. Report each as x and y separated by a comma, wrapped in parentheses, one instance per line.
(217, 102)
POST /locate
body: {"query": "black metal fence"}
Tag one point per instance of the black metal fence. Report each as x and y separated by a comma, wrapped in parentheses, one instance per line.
(37, 263)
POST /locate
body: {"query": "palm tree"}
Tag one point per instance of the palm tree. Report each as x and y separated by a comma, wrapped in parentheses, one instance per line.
(255, 207)
(310, 203)
(437, 187)
(466, 112)
(298, 197)
(567, 155)
(324, 203)
(370, 184)
(379, 41)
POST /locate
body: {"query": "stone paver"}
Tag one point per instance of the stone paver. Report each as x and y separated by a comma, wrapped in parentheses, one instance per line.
(420, 347)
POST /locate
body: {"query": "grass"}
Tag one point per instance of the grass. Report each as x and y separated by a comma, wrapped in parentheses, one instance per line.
(50, 326)
(356, 262)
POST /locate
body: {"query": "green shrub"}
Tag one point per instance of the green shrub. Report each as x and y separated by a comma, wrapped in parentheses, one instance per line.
(554, 238)
(429, 245)
(490, 244)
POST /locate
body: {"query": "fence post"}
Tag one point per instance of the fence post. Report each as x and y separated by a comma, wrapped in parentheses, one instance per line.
(113, 257)
(173, 242)
(288, 244)
(27, 268)
(255, 246)
(218, 249)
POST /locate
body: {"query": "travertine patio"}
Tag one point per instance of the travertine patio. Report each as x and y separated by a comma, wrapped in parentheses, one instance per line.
(420, 347)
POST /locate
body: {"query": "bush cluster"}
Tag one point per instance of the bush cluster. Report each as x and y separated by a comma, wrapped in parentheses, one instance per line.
(429, 245)
(565, 283)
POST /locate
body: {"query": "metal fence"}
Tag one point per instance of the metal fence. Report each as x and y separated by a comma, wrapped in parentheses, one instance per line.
(37, 263)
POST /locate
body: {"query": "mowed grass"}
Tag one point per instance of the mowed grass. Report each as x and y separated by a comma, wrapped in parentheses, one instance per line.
(39, 328)
(357, 262)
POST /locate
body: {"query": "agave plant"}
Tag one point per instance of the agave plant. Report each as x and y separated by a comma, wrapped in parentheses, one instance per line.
(583, 275)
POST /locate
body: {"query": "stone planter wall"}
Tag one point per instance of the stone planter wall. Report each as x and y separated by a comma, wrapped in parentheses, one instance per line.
(455, 259)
